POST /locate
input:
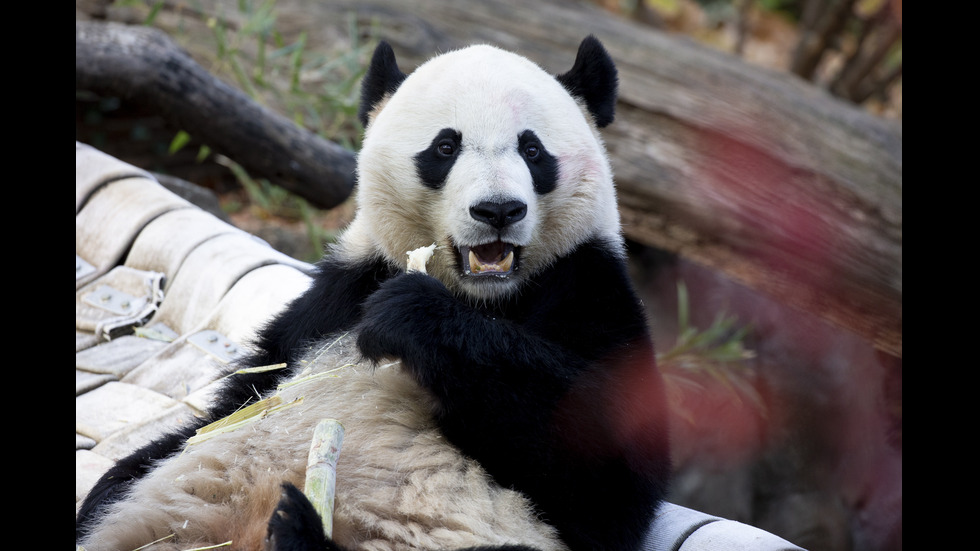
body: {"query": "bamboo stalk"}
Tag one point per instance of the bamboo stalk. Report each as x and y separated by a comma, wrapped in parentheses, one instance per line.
(418, 258)
(321, 469)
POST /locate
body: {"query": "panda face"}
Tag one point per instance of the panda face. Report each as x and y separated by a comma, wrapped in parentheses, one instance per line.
(489, 157)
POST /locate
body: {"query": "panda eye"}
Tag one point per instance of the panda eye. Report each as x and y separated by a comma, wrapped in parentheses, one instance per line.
(446, 148)
(541, 164)
(531, 151)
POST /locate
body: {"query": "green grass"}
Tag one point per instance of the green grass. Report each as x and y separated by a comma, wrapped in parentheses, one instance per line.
(717, 354)
(318, 91)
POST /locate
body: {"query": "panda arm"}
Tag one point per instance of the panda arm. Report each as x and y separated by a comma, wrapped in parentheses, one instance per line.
(331, 304)
(565, 323)
(557, 396)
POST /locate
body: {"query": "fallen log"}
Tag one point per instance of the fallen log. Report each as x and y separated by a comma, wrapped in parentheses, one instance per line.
(756, 173)
(142, 65)
(749, 171)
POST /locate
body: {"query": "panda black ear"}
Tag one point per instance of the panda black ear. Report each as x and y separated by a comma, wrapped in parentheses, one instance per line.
(383, 77)
(594, 79)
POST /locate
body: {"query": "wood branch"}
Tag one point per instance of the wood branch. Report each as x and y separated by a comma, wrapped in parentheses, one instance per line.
(877, 87)
(142, 64)
(828, 21)
(881, 38)
(743, 25)
(868, 25)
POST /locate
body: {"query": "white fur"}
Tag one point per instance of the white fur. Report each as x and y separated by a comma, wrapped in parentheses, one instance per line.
(399, 485)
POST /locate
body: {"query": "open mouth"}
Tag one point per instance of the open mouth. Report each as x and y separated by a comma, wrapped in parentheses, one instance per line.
(497, 258)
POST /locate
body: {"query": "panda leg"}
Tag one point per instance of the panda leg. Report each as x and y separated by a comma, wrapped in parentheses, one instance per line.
(296, 526)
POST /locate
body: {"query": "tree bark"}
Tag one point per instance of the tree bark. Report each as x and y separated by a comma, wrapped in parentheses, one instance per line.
(143, 65)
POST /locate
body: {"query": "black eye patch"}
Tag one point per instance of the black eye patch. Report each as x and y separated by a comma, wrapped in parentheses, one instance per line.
(542, 165)
(434, 162)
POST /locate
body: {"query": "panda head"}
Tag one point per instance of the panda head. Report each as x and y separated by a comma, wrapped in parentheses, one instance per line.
(483, 153)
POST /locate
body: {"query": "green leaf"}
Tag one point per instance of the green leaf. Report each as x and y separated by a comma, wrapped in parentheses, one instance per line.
(202, 153)
(180, 140)
(154, 10)
(296, 61)
(682, 309)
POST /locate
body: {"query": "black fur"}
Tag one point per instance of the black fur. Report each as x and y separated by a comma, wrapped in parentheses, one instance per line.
(542, 165)
(296, 526)
(383, 77)
(593, 77)
(331, 304)
(554, 392)
(434, 162)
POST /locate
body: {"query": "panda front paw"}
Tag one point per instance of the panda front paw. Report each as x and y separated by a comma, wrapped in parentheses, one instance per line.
(295, 525)
(402, 319)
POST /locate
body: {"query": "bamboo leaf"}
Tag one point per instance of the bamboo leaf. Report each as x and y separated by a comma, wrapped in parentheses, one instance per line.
(247, 415)
(262, 369)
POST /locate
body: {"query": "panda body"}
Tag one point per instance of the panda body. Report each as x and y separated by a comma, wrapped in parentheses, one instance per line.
(505, 399)
(399, 485)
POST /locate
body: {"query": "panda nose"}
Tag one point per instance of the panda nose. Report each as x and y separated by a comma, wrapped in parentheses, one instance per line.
(499, 215)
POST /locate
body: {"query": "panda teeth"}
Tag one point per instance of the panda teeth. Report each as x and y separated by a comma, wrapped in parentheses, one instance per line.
(478, 267)
(502, 263)
(508, 261)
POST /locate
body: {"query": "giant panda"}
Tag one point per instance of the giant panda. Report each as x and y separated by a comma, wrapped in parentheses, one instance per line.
(505, 397)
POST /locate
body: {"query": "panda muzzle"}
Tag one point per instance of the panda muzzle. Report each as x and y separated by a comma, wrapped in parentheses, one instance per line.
(497, 258)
